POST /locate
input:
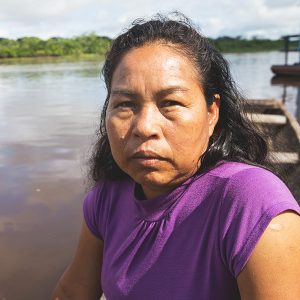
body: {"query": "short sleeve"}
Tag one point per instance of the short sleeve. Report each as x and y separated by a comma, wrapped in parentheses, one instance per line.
(95, 210)
(252, 198)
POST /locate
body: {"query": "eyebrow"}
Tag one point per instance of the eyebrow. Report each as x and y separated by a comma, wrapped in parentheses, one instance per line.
(160, 93)
(123, 92)
(172, 90)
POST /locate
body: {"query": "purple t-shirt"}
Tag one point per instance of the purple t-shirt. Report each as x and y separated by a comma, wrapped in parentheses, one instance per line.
(189, 244)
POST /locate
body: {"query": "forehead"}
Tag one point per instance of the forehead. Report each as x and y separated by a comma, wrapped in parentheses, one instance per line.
(154, 63)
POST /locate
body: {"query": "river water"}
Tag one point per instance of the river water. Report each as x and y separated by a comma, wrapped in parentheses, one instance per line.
(49, 111)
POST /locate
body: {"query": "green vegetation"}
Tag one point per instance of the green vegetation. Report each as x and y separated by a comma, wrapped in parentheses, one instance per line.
(91, 45)
(238, 44)
(35, 47)
(229, 44)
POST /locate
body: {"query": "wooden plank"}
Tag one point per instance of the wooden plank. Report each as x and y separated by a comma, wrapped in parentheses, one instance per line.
(267, 119)
(268, 103)
(292, 121)
(284, 157)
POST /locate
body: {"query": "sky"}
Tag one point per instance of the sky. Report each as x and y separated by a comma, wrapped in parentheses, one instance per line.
(68, 18)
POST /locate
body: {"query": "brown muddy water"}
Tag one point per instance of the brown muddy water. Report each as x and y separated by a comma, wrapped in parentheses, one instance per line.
(49, 111)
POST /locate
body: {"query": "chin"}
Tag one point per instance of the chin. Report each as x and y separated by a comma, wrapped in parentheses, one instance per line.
(153, 179)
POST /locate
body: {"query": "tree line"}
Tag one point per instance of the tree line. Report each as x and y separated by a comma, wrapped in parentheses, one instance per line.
(56, 46)
(239, 44)
(94, 44)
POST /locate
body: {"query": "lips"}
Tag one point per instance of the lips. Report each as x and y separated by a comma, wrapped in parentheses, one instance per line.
(147, 155)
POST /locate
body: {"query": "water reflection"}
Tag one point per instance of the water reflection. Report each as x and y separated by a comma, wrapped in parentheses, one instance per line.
(38, 229)
(48, 114)
(289, 83)
(49, 111)
(252, 72)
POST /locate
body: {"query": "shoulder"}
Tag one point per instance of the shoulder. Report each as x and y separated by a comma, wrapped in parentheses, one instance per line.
(106, 192)
(252, 192)
(232, 171)
(102, 199)
(252, 197)
(228, 169)
(251, 185)
(106, 187)
(278, 249)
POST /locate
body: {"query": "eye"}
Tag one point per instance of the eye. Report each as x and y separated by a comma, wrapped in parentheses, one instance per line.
(170, 103)
(125, 104)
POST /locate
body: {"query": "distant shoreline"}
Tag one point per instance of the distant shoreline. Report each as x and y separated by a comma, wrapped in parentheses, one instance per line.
(92, 46)
(81, 46)
(67, 58)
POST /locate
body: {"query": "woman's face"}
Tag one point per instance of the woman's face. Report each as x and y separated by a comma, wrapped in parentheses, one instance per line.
(157, 120)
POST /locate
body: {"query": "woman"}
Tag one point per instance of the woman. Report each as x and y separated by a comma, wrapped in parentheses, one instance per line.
(183, 206)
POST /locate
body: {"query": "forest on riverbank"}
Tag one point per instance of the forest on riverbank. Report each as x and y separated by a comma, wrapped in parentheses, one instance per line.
(94, 45)
(90, 44)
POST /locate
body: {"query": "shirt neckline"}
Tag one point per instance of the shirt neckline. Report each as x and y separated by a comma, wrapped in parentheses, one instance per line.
(158, 208)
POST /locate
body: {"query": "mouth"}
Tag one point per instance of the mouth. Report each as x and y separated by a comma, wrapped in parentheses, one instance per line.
(147, 158)
(147, 155)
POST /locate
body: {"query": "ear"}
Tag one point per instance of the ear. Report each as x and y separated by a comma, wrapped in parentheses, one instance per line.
(213, 113)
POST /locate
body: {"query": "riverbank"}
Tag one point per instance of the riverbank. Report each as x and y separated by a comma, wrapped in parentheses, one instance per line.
(84, 45)
(51, 59)
(240, 45)
(92, 46)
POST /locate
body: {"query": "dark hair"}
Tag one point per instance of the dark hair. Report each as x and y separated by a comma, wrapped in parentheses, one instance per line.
(235, 138)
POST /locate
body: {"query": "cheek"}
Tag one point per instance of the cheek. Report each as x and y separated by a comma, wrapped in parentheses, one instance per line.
(200, 129)
(193, 130)
(117, 131)
(189, 139)
(114, 133)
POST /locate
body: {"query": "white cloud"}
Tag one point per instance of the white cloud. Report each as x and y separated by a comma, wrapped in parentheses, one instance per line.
(108, 17)
(38, 10)
(282, 3)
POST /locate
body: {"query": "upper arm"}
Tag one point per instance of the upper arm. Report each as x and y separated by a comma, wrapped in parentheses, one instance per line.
(273, 269)
(82, 278)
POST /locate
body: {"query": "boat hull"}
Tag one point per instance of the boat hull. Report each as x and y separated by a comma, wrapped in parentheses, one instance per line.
(282, 134)
(286, 70)
(286, 80)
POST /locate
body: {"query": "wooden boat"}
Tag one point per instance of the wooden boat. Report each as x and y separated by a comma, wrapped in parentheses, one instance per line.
(286, 80)
(286, 69)
(282, 132)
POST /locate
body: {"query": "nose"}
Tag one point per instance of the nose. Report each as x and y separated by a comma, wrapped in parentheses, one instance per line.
(147, 123)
